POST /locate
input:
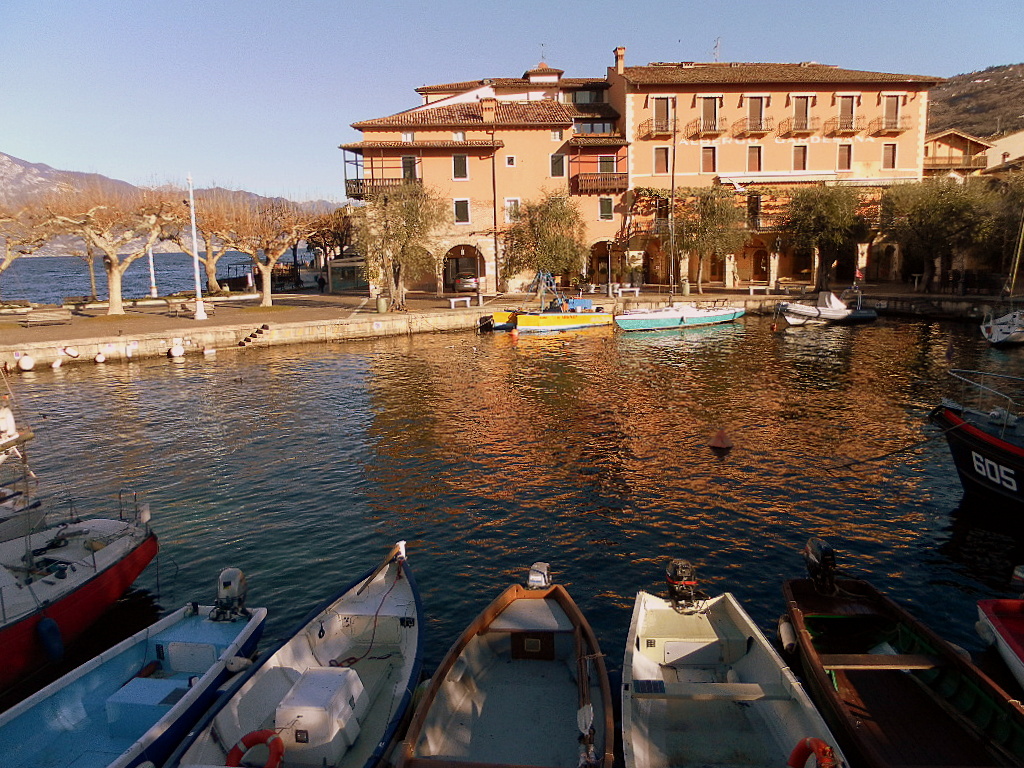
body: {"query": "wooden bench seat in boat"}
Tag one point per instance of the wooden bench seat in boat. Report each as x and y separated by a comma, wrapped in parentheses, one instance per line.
(659, 689)
(532, 616)
(878, 661)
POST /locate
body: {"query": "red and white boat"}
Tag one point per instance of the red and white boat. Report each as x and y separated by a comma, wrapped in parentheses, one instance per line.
(59, 579)
(1001, 623)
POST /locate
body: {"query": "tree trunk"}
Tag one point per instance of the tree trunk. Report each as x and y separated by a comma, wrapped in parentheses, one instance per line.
(91, 262)
(210, 266)
(115, 272)
(265, 270)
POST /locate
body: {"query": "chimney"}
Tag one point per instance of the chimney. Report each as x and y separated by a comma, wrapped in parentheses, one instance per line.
(487, 106)
(620, 60)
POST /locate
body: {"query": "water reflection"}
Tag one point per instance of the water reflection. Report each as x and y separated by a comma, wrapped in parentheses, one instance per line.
(586, 449)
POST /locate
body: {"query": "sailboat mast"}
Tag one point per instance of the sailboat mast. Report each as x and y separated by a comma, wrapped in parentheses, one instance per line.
(1017, 255)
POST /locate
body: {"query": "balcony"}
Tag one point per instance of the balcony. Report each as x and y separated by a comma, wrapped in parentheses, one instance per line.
(753, 127)
(657, 126)
(358, 189)
(593, 183)
(799, 126)
(882, 126)
(844, 126)
(706, 127)
(954, 162)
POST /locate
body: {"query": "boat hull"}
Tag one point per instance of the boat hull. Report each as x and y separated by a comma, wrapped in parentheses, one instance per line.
(1001, 622)
(675, 317)
(518, 667)
(804, 314)
(1005, 331)
(123, 696)
(539, 322)
(709, 671)
(987, 465)
(893, 691)
(73, 613)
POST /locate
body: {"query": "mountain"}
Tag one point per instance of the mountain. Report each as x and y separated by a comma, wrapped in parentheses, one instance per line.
(984, 104)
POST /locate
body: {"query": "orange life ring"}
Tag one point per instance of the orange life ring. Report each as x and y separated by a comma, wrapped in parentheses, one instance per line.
(271, 738)
(823, 755)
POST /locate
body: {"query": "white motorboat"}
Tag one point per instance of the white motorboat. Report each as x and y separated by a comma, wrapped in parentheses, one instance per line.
(678, 315)
(702, 686)
(335, 692)
(827, 308)
(524, 685)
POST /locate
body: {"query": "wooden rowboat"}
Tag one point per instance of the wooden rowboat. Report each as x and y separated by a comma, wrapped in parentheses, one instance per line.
(1001, 623)
(524, 685)
(895, 692)
(702, 686)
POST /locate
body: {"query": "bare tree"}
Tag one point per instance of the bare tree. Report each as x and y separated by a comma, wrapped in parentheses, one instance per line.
(215, 215)
(393, 232)
(264, 230)
(120, 224)
(23, 230)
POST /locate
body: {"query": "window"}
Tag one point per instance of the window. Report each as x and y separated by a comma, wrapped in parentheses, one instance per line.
(846, 112)
(605, 208)
(556, 134)
(753, 159)
(891, 119)
(557, 166)
(460, 166)
(662, 114)
(709, 113)
(889, 156)
(461, 211)
(458, 135)
(708, 161)
(801, 113)
(408, 167)
(510, 161)
(606, 164)
(800, 157)
(587, 97)
(755, 113)
(408, 136)
(511, 209)
(594, 126)
(661, 160)
(845, 161)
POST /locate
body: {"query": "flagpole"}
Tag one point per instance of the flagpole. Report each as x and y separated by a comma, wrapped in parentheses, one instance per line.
(200, 309)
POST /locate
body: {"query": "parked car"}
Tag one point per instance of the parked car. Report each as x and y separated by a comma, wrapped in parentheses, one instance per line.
(467, 281)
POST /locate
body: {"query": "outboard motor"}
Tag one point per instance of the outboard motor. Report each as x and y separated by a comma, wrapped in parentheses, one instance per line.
(231, 593)
(539, 577)
(681, 578)
(820, 559)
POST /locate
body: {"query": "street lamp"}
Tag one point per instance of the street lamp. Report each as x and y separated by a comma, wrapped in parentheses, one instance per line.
(200, 309)
(608, 250)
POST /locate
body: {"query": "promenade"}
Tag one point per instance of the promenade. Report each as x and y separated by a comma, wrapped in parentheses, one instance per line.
(311, 317)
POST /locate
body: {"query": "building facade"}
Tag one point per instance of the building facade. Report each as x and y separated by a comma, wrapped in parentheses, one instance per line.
(612, 143)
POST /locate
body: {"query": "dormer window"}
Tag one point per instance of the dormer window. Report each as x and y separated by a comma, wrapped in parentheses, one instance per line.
(408, 136)
(594, 126)
(458, 135)
(587, 97)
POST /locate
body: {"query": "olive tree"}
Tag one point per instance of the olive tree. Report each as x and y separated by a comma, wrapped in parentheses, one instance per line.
(707, 222)
(393, 232)
(547, 236)
(824, 219)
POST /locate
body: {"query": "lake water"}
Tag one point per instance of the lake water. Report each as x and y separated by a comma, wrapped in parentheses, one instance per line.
(49, 279)
(302, 465)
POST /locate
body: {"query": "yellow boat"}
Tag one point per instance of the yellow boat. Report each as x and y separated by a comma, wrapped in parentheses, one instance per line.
(548, 321)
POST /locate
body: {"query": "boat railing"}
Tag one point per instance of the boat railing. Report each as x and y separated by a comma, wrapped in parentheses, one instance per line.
(998, 395)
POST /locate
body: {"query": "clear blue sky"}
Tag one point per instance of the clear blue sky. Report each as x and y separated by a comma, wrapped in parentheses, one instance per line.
(258, 94)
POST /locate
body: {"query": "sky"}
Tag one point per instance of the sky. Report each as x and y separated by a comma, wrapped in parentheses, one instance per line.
(258, 94)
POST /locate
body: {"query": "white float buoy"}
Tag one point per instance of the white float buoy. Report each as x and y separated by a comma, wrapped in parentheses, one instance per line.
(100, 358)
(55, 364)
(71, 352)
(209, 351)
(176, 351)
(26, 363)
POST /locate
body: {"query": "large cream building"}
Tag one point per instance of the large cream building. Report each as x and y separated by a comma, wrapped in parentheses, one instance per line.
(488, 145)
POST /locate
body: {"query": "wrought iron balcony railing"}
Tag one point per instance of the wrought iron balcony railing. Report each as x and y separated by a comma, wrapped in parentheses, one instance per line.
(799, 126)
(753, 127)
(357, 189)
(706, 127)
(844, 126)
(589, 183)
(882, 125)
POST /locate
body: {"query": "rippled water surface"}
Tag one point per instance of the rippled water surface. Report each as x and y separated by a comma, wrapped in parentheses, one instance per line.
(589, 450)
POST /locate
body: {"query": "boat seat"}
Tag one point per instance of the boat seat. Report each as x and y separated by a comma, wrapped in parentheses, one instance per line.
(878, 661)
(140, 702)
(659, 689)
(191, 658)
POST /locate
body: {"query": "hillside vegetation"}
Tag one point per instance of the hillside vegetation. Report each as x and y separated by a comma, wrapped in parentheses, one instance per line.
(984, 103)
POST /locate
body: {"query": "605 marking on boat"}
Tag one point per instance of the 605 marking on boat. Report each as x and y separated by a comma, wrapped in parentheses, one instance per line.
(997, 473)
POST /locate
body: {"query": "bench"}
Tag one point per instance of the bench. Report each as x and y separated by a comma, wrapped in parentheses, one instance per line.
(877, 661)
(634, 291)
(453, 302)
(658, 689)
(763, 287)
(188, 308)
(59, 316)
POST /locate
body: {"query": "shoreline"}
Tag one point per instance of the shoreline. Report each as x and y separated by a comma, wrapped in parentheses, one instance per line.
(148, 329)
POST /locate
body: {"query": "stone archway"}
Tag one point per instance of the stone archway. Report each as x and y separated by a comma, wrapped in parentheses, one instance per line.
(462, 258)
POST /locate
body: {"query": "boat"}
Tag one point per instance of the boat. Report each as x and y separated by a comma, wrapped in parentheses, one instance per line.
(524, 685)
(983, 428)
(21, 512)
(1008, 329)
(335, 692)
(702, 686)
(134, 703)
(828, 309)
(1001, 624)
(677, 315)
(562, 313)
(58, 579)
(893, 691)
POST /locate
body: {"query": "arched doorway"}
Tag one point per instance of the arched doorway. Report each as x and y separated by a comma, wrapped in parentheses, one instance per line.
(463, 258)
(759, 267)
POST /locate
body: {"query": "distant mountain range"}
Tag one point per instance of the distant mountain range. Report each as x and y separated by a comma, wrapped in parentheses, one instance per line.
(986, 104)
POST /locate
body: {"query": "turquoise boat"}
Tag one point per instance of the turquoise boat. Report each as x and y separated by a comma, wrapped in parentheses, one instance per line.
(676, 316)
(134, 703)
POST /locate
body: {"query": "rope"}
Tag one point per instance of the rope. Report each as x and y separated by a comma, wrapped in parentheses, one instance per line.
(886, 455)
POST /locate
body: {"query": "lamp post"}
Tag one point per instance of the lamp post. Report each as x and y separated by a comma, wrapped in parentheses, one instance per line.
(200, 309)
(608, 250)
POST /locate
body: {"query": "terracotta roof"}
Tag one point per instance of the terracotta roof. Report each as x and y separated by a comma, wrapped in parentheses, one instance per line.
(593, 110)
(470, 144)
(741, 73)
(512, 82)
(469, 115)
(597, 141)
(543, 69)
